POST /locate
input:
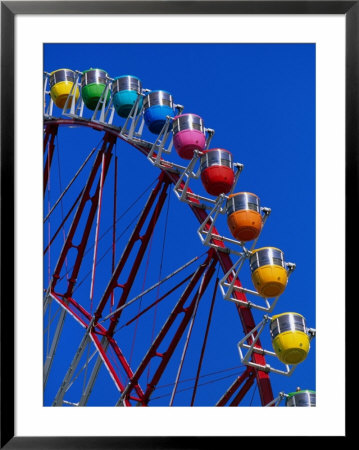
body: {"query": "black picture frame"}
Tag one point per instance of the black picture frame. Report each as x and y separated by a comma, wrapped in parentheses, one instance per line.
(9, 9)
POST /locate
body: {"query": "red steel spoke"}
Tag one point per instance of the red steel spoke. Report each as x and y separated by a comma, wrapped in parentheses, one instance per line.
(106, 149)
(107, 363)
(143, 285)
(63, 222)
(51, 130)
(244, 389)
(189, 333)
(225, 398)
(114, 230)
(97, 227)
(157, 301)
(124, 364)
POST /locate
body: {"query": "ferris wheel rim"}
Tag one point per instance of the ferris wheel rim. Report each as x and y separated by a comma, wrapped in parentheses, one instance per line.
(224, 258)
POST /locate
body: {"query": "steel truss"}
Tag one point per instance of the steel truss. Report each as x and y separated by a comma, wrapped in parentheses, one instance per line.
(99, 330)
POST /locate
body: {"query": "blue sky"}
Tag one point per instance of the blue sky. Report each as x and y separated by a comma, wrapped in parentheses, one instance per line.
(260, 100)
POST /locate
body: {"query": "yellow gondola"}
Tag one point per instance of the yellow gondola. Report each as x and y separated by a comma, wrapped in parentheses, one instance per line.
(289, 337)
(61, 83)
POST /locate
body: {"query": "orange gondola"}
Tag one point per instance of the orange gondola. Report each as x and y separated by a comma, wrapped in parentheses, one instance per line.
(244, 216)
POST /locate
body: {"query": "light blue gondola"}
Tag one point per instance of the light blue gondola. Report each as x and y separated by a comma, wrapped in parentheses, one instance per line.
(125, 90)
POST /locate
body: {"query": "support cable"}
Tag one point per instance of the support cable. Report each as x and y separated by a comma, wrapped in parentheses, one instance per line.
(156, 302)
(62, 224)
(48, 331)
(189, 333)
(186, 380)
(143, 284)
(205, 340)
(75, 377)
(106, 253)
(151, 288)
(70, 184)
(51, 319)
(159, 278)
(191, 387)
(254, 391)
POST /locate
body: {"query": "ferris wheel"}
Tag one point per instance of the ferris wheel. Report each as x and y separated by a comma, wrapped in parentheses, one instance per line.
(121, 323)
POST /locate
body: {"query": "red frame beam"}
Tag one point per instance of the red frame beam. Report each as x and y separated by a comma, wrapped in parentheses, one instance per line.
(244, 389)
(108, 142)
(50, 130)
(238, 382)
